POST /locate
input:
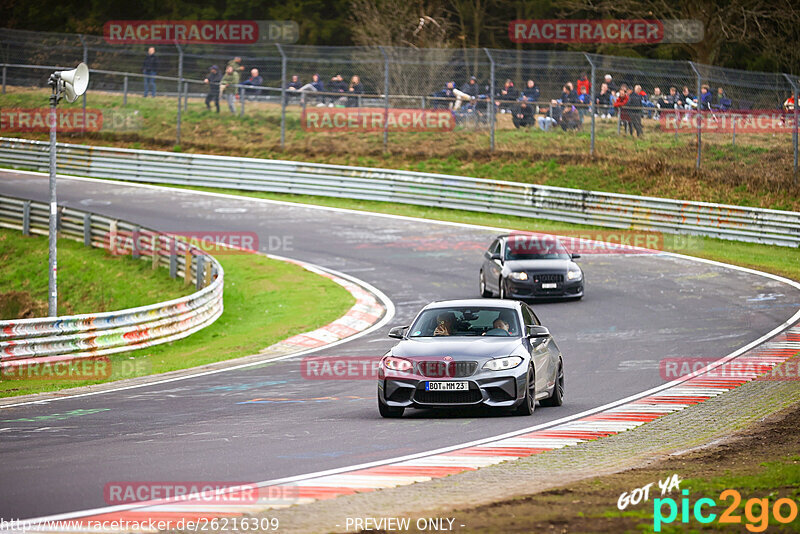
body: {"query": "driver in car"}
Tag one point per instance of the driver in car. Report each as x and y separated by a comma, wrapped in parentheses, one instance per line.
(444, 324)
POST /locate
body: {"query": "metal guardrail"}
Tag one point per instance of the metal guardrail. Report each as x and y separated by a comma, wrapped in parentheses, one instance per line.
(457, 192)
(65, 338)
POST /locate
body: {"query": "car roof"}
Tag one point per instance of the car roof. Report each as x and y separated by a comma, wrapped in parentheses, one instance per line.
(474, 303)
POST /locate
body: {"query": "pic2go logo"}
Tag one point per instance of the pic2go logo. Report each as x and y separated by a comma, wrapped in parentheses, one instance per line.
(756, 511)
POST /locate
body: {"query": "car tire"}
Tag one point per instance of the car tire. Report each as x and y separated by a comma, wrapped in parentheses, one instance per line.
(501, 288)
(485, 293)
(390, 412)
(557, 397)
(529, 402)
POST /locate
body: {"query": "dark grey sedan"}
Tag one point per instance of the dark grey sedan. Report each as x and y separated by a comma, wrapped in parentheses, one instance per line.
(530, 266)
(471, 352)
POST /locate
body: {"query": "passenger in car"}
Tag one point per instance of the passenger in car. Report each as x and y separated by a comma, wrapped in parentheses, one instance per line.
(499, 328)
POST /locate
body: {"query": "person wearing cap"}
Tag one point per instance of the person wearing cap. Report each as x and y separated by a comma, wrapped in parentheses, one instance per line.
(228, 85)
(212, 79)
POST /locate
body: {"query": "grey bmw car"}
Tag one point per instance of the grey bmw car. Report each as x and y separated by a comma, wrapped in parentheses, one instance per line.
(530, 266)
(471, 352)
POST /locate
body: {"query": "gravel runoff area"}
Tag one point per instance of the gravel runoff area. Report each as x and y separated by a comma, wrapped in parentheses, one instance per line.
(706, 424)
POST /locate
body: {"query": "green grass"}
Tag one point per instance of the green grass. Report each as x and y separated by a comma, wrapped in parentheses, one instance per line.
(265, 301)
(784, 261)
(756, 172)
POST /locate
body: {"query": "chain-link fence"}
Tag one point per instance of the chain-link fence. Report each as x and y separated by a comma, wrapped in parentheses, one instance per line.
(488, 93)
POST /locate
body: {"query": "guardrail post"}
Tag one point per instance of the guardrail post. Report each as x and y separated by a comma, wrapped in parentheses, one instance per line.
(135, 252)
(699, 117)
(26, 218)
(5, 71)
(125, 91)
(187, 267)
(87, 229)
(180, 80)
(173, 258)
(283, 96)
(592, 111)
(85, 60)
(794, 132)
(491, 99)
(207, 274)
(201, 261)
(385, 99)
(241, 101)
(154, 241)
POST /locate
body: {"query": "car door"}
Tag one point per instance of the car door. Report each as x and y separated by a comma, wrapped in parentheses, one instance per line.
(541, 352)
(492, 268)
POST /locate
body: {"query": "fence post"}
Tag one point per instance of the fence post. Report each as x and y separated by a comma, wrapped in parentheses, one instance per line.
(135, 252)
(201, 263)
(283, 96)
(794, 132)
(26, 218)
(173, 258)
(733, 142)
(188, 258)
(85, 60)
(185, 96)
(125, 91)
(385, 100)
(592, 111)
(699, 117)
(180, 80)
(87, 229)
(5, 71)
(241, 101)
(491, 99)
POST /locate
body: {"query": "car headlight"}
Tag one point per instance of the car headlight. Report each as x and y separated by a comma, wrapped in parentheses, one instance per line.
(574, 275)
(519, 276)
(397, 364)
(501, 364)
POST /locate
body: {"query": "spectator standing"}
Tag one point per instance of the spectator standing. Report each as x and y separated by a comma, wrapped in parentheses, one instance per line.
(634, 109)
(236, 64)
(228, 85)
(609, 81)
(356, 88)
(620, 103)
(583, 83)
(255, 80)
(212, 79)
(150, 71)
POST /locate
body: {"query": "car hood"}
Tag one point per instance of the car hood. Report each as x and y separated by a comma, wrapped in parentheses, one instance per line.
(459, 348)
(561, 266)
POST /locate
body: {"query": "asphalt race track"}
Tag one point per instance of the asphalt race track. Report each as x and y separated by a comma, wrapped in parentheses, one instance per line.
(267, 422)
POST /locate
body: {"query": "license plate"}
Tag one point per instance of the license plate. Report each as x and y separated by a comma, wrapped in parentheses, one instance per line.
(550, 285)
(446, 386)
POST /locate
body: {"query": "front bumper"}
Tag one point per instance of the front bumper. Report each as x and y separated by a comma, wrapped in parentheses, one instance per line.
(495, 389)
(528, 289)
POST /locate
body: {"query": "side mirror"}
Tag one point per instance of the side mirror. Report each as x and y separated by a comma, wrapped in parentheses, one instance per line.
(398, 332)
(575, 256)
(538, 331)
(496, 257)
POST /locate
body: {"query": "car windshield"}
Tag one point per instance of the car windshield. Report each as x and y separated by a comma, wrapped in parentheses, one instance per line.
(535, 247)
(463, 321)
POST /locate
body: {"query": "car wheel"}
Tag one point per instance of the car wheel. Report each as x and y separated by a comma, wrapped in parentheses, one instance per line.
(557, 397)
(529, 402)
(391, 412)
(502, 288)
(484, 292)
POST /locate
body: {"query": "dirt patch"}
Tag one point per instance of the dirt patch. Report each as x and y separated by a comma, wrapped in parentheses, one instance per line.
(20, 305)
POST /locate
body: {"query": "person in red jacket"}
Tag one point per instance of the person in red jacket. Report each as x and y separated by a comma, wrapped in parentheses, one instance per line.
(622, 100)
(582, 82)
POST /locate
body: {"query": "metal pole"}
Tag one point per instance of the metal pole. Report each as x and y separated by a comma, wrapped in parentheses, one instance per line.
(125, 91)
(734, 132)
(85, 60)
(491, 99)
(185, 96)
(794, 132)
(180, 80)
(385, 99)
(5, 71)
(283, 96)
(699, 118)
(241, 101)
(52, 289)
(592, 111)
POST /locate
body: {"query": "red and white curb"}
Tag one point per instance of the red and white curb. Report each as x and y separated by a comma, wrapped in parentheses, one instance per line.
(672, 397)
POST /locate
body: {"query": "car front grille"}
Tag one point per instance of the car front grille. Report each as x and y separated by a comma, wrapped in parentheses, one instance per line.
(472, 395)
(549, 278)
(442, 369)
